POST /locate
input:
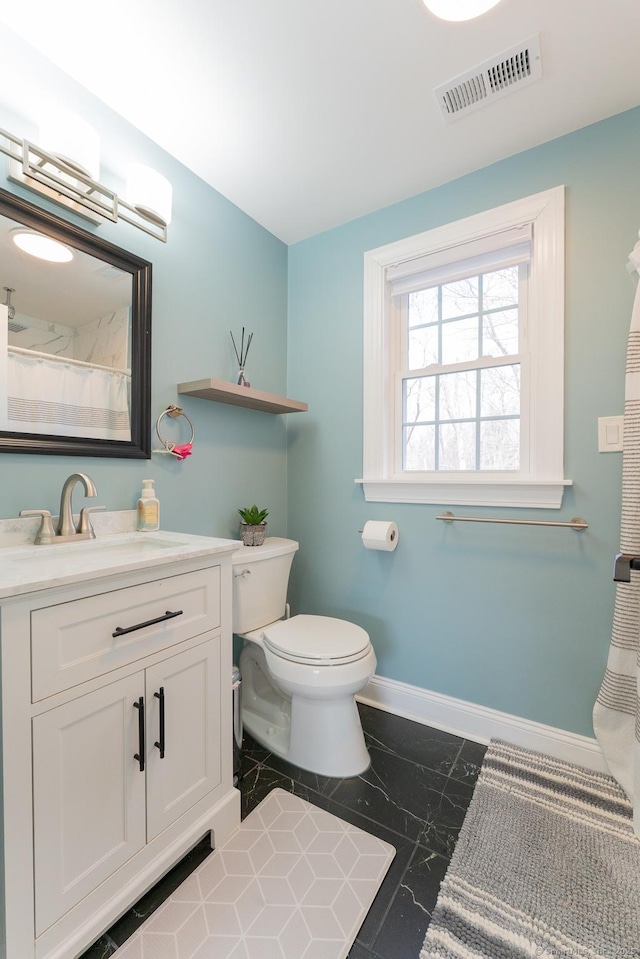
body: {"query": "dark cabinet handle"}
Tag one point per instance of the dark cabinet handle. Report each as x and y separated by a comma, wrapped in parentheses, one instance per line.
(140, 754)
(160, 745)
(120, 630)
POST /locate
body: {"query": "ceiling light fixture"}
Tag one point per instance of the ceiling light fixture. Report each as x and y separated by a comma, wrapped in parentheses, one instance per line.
(66, 174)
(40, 246)
(458, 10)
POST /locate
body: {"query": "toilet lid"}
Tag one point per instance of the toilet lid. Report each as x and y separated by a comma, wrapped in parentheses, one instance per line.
(318, 640)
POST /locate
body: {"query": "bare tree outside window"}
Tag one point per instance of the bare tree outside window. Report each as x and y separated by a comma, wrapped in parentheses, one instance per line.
(461, 403)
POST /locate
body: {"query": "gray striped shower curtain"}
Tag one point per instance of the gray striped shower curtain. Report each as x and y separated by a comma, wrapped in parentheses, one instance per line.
(616, 715)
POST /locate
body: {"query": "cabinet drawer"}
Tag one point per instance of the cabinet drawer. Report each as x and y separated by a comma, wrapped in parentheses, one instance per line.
(74, 642)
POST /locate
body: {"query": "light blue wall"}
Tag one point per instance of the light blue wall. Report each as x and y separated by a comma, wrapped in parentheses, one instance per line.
(219, 271)
(514, 618)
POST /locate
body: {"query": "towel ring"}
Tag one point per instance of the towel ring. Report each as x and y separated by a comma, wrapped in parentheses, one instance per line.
(182, 451)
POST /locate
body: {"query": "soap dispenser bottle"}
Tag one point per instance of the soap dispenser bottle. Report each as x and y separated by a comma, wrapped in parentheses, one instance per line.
(148, 508)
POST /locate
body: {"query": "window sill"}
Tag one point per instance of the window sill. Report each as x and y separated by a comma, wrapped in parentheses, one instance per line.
(524, 494)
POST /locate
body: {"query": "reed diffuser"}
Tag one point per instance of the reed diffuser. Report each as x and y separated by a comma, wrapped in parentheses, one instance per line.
(241, 356)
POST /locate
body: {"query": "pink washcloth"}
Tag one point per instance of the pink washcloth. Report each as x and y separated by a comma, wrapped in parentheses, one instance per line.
(182, 451)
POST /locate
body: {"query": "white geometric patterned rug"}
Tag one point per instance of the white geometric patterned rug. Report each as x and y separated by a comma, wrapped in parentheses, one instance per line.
(293, 882)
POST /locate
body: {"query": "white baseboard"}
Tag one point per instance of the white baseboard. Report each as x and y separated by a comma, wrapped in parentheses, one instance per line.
(479, 723)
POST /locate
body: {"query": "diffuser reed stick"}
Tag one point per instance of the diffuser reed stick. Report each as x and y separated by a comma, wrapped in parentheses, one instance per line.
(241, 356)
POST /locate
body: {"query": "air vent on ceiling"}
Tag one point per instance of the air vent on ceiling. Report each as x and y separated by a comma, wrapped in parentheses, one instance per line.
(109, 272)
(503, 74)
(16, 327)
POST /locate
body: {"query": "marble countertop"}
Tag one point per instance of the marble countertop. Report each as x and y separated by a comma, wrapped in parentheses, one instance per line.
(25, 568)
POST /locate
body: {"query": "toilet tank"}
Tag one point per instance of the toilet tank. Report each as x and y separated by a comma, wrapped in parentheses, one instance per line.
(260, 581)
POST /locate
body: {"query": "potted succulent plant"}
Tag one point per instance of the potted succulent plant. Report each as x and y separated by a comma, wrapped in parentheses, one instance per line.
(253, 528)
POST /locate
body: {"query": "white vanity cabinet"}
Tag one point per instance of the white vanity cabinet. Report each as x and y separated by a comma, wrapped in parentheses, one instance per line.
(117, 741)
(94, 807)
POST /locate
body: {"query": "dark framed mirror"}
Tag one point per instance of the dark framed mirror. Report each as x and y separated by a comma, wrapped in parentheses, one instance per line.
(75, 340)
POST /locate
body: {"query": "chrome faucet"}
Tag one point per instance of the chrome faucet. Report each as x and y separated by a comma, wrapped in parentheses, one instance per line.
(623, 564)
(65, 525)
(65, 530)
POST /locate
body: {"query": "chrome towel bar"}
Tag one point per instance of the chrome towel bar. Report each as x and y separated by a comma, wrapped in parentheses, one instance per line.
(576, 523)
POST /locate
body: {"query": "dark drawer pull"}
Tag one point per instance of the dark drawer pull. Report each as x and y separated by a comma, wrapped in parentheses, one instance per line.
(140, 754)
(160, 744)
(120, 631)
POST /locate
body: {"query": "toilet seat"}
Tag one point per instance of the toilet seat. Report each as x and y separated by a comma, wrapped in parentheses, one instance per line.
(316, 640)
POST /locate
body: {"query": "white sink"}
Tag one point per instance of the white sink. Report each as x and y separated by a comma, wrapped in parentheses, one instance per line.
(127, 545)
(139, 545)
(24, 569)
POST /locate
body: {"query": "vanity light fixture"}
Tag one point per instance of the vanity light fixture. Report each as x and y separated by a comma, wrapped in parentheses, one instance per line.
(71, 139)
(149, 193)
(458, 10)
(66, 180)
(40, 246)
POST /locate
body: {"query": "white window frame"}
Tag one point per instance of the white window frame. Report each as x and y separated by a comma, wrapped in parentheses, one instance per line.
(540, 483)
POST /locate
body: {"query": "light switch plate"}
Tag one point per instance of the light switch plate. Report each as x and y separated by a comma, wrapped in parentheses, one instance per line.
(610, 430)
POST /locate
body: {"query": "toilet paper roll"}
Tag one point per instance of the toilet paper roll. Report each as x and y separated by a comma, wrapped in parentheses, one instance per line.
(379, 534)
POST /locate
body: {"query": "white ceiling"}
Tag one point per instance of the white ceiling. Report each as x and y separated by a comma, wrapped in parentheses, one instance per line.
(308, 113)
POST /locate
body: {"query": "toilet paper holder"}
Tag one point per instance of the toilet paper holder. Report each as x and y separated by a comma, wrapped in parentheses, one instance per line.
(362, 531)
(380, 535)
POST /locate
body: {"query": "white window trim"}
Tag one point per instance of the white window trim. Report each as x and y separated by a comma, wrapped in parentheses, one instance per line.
(542, 486)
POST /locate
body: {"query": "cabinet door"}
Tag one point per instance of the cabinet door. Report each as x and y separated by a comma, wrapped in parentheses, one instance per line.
(187, 688)
(89, 795)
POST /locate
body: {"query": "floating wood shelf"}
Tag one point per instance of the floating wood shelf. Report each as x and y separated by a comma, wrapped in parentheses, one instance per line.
(219, 391)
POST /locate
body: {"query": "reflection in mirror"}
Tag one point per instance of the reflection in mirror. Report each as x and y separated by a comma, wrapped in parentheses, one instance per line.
(62, 347)
(74, 340)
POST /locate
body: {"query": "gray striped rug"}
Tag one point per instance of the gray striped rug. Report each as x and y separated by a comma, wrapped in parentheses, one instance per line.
(547, 866)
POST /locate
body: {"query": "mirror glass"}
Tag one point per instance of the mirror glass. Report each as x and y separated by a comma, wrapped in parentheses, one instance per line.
(75, 340)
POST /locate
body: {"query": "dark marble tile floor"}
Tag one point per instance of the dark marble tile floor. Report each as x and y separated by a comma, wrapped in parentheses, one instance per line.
(414, 795)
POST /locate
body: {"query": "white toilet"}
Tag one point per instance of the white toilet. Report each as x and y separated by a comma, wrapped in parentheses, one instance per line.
(299, 675)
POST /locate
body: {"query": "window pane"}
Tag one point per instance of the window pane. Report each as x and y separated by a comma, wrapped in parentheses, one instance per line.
(460, 297)
(500, 445)
(423, 307)
(500, 333)
(468, 420)
(419, 447)
(500, 391)
(458, 395)
(423, 347)
(460, 341)
(458, 446)
(500, 288)
(419, 399)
